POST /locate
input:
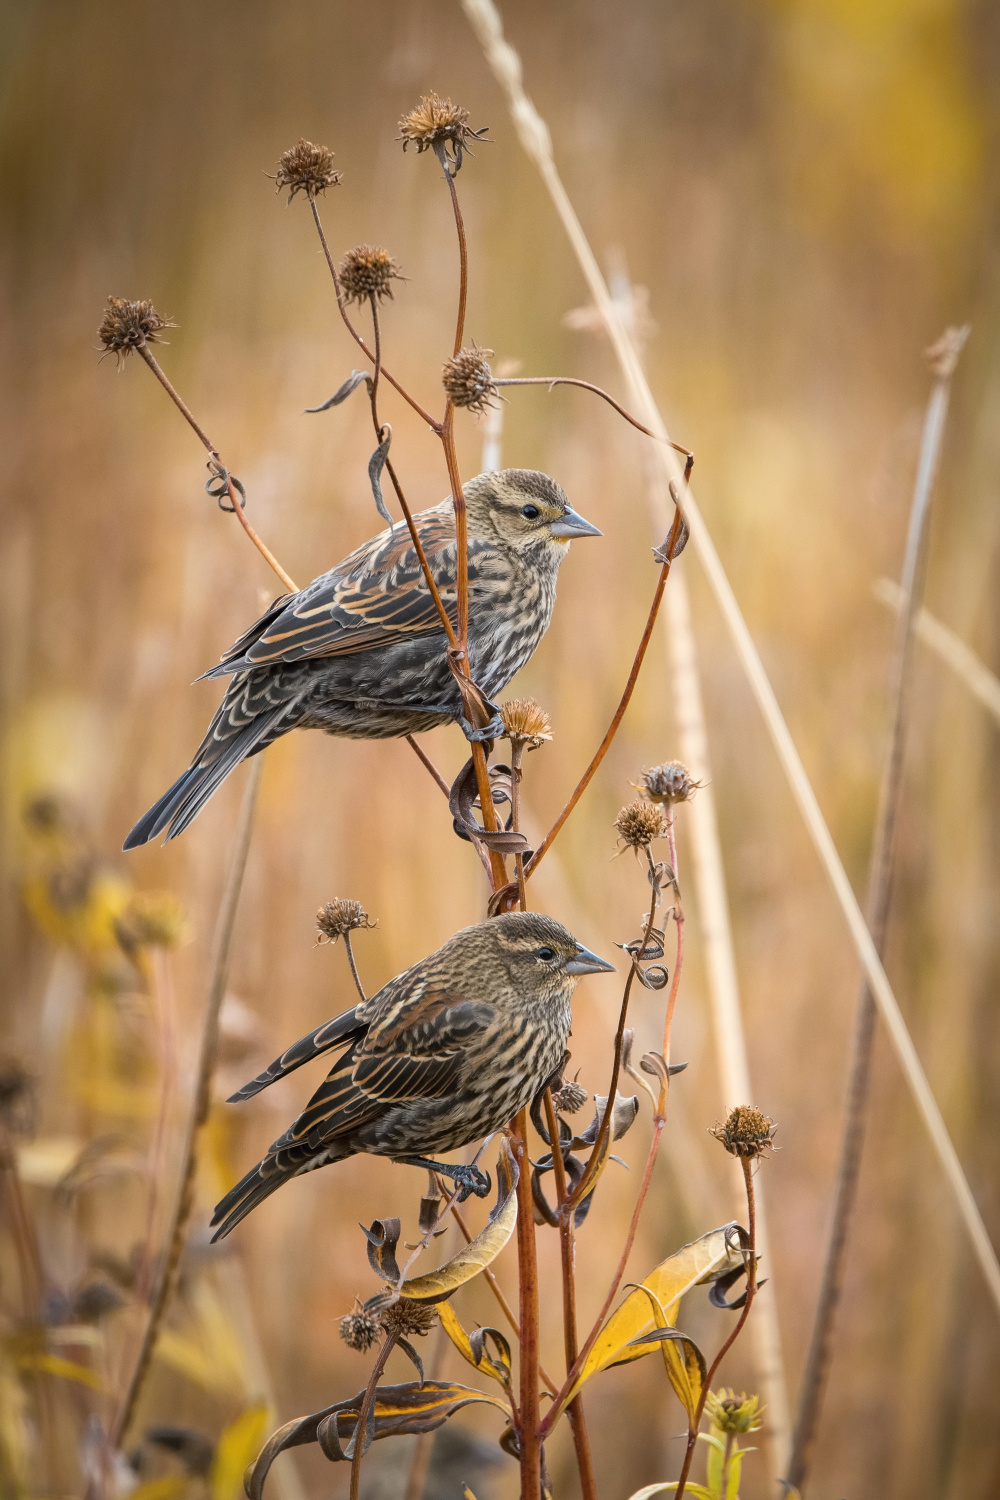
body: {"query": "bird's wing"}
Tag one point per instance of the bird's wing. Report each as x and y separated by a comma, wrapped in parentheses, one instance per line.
(375, 597)
(336, 1033)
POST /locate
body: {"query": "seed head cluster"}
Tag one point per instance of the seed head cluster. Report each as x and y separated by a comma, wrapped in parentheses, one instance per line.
(732, 1414)
(746, 1133)
(468, 379)
(571, 1098)
(306, 168)
(525, 723)
(339, 917)
(152, 919)
(360, 1329)
(130, 325)
(438, 125)
(672, 782)
(639, 824)
(366, 271)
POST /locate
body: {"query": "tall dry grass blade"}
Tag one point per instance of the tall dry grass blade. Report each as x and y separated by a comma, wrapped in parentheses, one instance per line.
(201, 1101)
(535, 138)
(880, 870)
(981, 682)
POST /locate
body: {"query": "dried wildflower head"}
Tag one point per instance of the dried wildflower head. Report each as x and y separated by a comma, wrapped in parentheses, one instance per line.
(468, 379)
(130, 325)
(570, 1098)
(638, 825)
(408, 1316)
(746, 1133)
(440, 126)
(729, 1413)
(17, 1097)
(305, 168)
(360, 1329)
(672, 782)
(525, 723)
(152, 919)
(366, 271)
(339, 917)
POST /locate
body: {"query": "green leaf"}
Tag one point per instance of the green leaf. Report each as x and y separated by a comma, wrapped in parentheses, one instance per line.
(475, 1257)
(237, 1447)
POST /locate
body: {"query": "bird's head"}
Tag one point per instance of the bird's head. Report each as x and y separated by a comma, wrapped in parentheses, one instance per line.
(523, 510)
(539, 954)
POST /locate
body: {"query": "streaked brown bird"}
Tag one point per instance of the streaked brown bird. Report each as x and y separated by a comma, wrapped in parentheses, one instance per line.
(443, 1055)
(361, 651)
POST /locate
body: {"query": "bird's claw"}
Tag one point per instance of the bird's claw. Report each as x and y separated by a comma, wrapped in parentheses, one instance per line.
(469, 1181)
(490, 732)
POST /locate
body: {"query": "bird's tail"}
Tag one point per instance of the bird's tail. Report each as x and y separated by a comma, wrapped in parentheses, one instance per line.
(189, 793)
(245, 1196)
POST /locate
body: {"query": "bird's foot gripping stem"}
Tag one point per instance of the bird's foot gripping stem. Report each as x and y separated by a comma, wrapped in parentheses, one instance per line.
(490, 732)
(468, 1180)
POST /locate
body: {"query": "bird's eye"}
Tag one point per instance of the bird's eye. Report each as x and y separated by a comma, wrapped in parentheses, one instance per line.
(530, 512)
(546, 954)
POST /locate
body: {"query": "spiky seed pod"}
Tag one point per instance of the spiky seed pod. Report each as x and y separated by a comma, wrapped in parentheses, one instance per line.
(408, 1316)
(152, 919)
(340, 916)
(525, 723)
(436, 123)
(672, 782)
(360, 1329)
(366, 271)
(306, 168)
(127, 326)
(746, 1133)
(639, 824)
(570, 1098)
(468, 379)
(732, 1414)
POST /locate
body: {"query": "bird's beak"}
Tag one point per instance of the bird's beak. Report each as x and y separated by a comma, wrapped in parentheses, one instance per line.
(570, 525)
(585, 962)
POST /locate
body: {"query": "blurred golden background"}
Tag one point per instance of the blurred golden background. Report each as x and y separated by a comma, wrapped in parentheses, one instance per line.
(809, 193)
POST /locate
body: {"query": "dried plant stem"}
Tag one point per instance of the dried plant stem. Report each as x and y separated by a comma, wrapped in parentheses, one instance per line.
(537, 142)
(877, 914)
(516, 755)
(234, 497)
(429, 765)
(587, 385)
(751, 1291)
(200, 1104)
(981, 682)
(416, 1479)
(161, 975)
(527, 1274)
(354, 967)
(361, 1425)
(32, 1278)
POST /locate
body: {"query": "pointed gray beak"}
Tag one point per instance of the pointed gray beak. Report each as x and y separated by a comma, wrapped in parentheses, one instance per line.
(585, 962)
(571, 525)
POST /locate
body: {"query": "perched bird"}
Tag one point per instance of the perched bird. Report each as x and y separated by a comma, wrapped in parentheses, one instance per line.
(444, 1054)
(361, 651)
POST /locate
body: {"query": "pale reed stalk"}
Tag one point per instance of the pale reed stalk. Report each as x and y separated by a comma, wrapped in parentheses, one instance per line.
(536, 140)
(952, 650)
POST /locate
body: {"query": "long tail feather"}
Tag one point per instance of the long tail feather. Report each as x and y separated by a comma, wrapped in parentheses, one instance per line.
(338, 1032)
(244, 1197)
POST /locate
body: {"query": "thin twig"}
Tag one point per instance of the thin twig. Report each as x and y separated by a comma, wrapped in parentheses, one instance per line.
(429, 765)
(361, 1424)
(527, 1269)
(200, 1104)
(354, 968)
(587, 385)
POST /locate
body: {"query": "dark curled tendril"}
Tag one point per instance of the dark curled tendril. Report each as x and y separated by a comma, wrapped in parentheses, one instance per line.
(653, 978)
(218, 486)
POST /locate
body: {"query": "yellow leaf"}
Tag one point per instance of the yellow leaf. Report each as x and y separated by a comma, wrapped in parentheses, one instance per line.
(474, 1257)
(462, 1342)
(212, 1355)
(66, 1369)
(684, 1361)
(238, 1446)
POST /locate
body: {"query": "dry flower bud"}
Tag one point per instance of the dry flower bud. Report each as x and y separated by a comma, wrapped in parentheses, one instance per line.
(366, 271)
(408, 1316)
(305, 168)
(360, 1329)
(524, 722)
(639, 824)
(437, 124)
(747, 1132)
(570, 1098)
(339, 917)
(732, 1414)
(468, 379)
(130, 325)
(672, 782)
(152, 919)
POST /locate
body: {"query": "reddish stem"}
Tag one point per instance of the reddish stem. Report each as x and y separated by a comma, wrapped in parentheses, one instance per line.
(527, 1266)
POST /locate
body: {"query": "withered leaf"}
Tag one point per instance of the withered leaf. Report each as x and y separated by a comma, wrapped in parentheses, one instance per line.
(474, 1257)
(376, 464)
(342, 392)
(383, 1237)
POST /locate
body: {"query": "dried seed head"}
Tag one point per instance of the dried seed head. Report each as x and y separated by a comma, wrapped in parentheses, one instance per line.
(670, 783)
(525, 723)
(730, 1413)
(367, 271)
(152, 919)
(746, 1133)
(408, 1316)
(130, 325)
(340, 916)
(305, 168)
(360, 1329)
(570, 1098)
(437, 124)
(639, 824)
(468, 379)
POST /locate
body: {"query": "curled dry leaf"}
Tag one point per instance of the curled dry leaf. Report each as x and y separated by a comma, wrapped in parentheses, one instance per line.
(472, 1347)
(356, 378)
(486, 1246)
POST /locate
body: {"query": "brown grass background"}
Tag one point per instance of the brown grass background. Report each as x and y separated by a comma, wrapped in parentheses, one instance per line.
(809, 192)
